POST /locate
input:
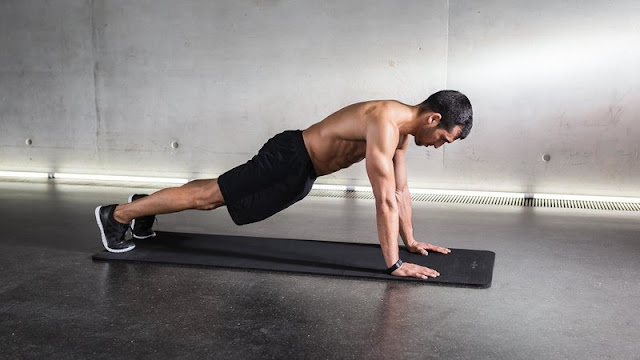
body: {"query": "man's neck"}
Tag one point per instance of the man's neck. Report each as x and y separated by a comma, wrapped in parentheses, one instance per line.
(410, 124)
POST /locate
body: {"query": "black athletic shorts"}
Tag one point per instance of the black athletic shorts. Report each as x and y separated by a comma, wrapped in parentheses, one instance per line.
(279, 176)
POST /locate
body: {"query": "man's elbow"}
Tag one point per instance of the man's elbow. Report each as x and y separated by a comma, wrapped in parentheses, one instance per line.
(400, 191)
(386, 204)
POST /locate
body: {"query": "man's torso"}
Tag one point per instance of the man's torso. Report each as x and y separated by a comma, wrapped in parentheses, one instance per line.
(340, 140)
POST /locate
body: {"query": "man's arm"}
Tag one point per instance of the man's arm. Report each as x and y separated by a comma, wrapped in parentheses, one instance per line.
(402, 193)
(404, 205)
(382, 139)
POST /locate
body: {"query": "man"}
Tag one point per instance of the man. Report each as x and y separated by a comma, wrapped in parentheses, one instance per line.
(287, 165)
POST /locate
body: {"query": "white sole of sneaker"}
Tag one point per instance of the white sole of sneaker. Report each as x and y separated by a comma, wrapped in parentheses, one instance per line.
(144, 237)
(104, 238)
(133, 224)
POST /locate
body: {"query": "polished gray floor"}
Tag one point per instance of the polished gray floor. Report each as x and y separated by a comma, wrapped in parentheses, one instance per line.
(566, 286)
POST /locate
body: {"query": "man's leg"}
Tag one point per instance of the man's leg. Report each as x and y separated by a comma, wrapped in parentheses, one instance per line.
(197, 194)
(113, 220)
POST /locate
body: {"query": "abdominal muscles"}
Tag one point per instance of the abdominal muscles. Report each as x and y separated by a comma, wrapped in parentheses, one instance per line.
(339, 155)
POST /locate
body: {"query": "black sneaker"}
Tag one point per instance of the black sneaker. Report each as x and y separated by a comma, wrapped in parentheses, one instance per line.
(112, 232)
(141, 228)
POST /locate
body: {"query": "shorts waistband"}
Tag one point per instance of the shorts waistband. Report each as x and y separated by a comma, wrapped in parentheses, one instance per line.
(303, 151)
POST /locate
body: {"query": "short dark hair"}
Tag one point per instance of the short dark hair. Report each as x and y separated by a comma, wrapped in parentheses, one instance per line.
(455, 109)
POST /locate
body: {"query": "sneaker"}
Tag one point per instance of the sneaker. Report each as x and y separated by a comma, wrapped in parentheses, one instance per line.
(112, 232)
(141, 227)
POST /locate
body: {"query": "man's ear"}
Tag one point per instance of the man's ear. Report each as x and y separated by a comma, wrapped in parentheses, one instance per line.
(434, 119)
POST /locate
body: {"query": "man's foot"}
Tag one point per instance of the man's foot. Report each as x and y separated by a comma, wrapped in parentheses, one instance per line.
(141, 228)
(112, 232)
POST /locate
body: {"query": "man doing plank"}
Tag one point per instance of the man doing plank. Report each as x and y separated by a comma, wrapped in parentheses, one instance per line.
(285, 168)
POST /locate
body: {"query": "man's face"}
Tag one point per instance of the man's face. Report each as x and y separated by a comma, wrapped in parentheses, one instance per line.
(436, 136)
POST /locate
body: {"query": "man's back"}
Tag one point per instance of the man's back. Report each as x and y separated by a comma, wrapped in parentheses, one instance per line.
(339, 140)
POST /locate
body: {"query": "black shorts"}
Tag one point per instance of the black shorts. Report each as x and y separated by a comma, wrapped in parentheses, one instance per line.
(279, 176)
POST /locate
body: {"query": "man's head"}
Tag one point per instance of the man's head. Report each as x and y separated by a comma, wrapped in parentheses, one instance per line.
(448, 116)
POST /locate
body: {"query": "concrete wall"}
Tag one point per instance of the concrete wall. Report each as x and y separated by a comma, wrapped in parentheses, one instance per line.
(105, 86)
(550, 77)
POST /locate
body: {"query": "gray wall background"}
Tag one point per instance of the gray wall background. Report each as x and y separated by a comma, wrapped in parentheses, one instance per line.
(105, 86)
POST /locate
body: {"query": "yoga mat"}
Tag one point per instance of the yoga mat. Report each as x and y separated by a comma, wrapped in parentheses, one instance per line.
(469, 268)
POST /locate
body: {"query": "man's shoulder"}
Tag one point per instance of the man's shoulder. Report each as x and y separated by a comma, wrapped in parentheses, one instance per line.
(384, 114)
(385, 105)
(386, 110)
(382, 130)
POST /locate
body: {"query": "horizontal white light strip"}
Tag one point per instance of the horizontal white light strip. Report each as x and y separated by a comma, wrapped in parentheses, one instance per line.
(489, 194)
(119, 178)
(587, 198)
(161, 180)
(423, 191)
(510, 195)
(332, 187)
(24, 174)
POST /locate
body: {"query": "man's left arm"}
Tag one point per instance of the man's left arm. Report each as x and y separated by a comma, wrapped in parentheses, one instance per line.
(404, 205)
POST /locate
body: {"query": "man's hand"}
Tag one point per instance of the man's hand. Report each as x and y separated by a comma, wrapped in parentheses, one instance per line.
(413, 270)
(421, 248)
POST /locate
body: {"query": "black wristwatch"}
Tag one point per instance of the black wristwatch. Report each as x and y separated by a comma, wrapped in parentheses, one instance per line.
(394, 267)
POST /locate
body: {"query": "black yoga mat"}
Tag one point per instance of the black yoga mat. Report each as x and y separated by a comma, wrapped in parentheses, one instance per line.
(470, 268)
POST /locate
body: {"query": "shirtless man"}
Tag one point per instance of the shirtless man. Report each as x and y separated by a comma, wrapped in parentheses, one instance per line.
(287, 165)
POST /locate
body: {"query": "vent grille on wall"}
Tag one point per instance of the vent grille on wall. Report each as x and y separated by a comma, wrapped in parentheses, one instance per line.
(492, 200)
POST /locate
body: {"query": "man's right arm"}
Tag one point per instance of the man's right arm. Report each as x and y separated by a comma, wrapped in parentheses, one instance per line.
(381, 137)
(382, 140)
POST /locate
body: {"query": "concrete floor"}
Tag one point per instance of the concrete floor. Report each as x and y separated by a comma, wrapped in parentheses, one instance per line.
(566, 285)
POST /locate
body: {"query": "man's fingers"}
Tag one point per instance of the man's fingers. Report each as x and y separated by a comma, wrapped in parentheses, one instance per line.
(419, 248)
(426, 276)
(439, 249)
(425, 272)
(424, 248)
(413, 270)
(433, 273)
